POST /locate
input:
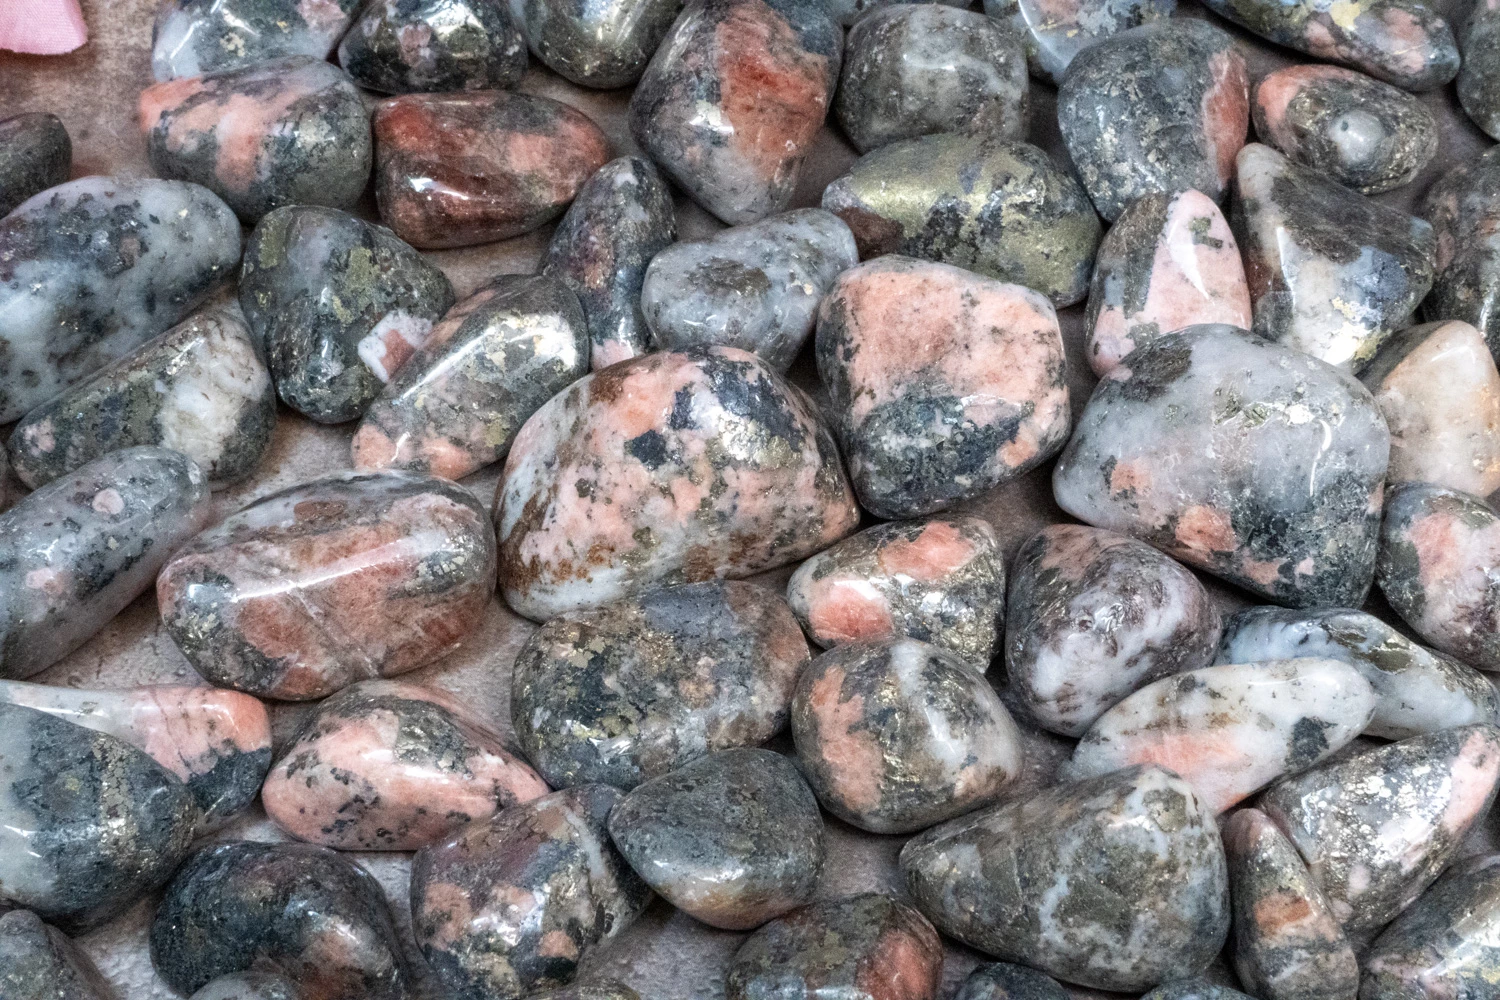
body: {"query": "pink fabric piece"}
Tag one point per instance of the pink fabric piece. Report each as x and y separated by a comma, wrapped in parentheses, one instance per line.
(42, 27)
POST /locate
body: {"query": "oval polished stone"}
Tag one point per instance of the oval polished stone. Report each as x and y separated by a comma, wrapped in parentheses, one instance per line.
(1244, 458)
(895, 736)
(733, 839)
(599, 989)
(97, 266)
(453, 170)
(669, 468)
(635, 689)
(342, 579)
(1055, 31)
(200, 389)
(846, 12)
(1463, 206)
(1446, 945)
(512, 904)
(249, 986)
(402, 47)
(490, 363)
(1004, 981)
(1003, 209)
(603, 45)
(1479, 77)
(304, 912)
(38, 963)
(193, 37)
(35, 154)
(754, 287)
(1116, 882)
(1195, 989)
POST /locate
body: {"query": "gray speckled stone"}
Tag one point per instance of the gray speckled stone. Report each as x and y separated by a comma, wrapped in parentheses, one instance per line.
(846, 12)
(1004, 981)
(1479, 77)
(602, 43)
(38, 963)
(193, 37)
(250, 986)
(1464, 208)
(599, 989)
(1446, 945)
(35, 154)
(1195, 989)
(415, 46)
(1055, 31)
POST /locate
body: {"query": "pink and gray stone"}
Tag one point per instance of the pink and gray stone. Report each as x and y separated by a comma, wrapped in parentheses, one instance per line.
(38, 962)
(250, 986)
(390, 766)
(421, 46)
(1464, 209)
(1004, 981)
(1055, 31)
(597, 44)
(1241, 457)
(193, 37)
(1479, 77)
(756, 287)
(943, 384)
(1446, 945)
(635, 689)
(897, 735)
(1116, 882)
(733, 839)
(35, 154)
(1155, 109)
(674, 467)
(1169, 262)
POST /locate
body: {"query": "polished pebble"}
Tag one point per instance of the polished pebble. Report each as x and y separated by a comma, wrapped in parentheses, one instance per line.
(599, 989)
(193, 37)
(433, 46)
(602, 44)
(35, 154)
(1463, 206)
(1004, 981)
(1195, 989)
(250, 986)
(1055, 31)
(846, 12)
(38, 963)
(1446, 945)
(1479, 77)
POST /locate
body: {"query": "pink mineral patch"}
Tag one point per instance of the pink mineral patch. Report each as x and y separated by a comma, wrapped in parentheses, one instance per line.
(42, 27)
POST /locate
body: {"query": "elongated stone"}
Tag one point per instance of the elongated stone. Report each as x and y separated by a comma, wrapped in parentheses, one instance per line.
(510, 905)
(1446, 944)
(603, 45)
(200, 389)
(1479, 77)
(670, 468)
(342, 579)
(622, 218)
(35, 154)
(490, 363)
(1055, 32)
(1419, 798)
(754, 287)
(339, 304)
(1004, 981)
(250, 986)
(403, 47)
(96, 266)
(38, 963)
(1169, 262)
(1116, 882)
(193, 37)
(635, 689)
(1463, 206)
(304, 912)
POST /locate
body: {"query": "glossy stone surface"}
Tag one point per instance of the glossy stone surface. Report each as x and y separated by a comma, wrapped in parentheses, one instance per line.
(941, 581)
(249, 986)
(351, 577)
(943, 384)
(340, 305)
(1276, 469)
(755, 287)
(846, 12)
(670, 468)
(512, 904)
(1479, 77)
(731, 102)
(1117, 882)
(915, 69)
(1155, 109)
(603, 45)
(1446, 944)
(897, 735)
(96, 266)
(1003, 209)
(289, 132)
(733, 839)
(1094, 615)
(453, 170)
(35, 154)
(200, 389)
(869, 947)
(490, 363)
(1378, 827)
(38, 963)
(640, 687)
(81, 548)
(88, 823)
(622, 218)
(193, 37)
(1054, 31)
(419, 46)
(304, 912)
(1004, 981)
(1168, 262)
(1464, 208)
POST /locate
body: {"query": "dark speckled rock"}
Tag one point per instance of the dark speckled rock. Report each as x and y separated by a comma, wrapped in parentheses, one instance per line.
(1004, 981)
(1446, 945)
(601, 43)
(1055, 31)
(1479, 78)
(35, 154)
(414, 46)
(38, 963)
(192, 37)
(250, 986)
(1464, 209)
(733, 839)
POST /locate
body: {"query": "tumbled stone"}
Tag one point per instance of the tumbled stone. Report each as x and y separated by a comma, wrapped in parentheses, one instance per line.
(733, 839)
(193, 37)
(35, 154)
(510, 905)
(1054, 32)
(88, 823)
(604, 45)
(1479, 77)
(943, 384)
(1446, 945)
(622, 218)
(897, 735)
(1244, 458)
(1378, 827)
(915, 69)
(303, 912)
(600, 989)
(1155, 109)
(289, 132)
(1116, 882)
(453, 170)
(38, 963)
(490, 363)
(250, 986)
(340, 304)
(402, 47)
(95, 267)
(635, 689)
(941, 581)
(1418, 690)
(670, 468)
(1004, 981)
(1003, 209)
(869, 946)
(355, 576)
(1169, 262)
(1463, 206)
(1195, 989)
(754, 287)
(200, 389)
(77, 551)
(846, 12)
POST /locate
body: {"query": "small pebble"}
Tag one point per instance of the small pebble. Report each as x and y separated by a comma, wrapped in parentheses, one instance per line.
(1055, 32)
(1479, 77)
(433, 46)
(602, 44)
(1004, 981)
(38, 963)
(193, 37)
(250, 986)
(35, 154)
(1463, 206)
(1446, 945)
